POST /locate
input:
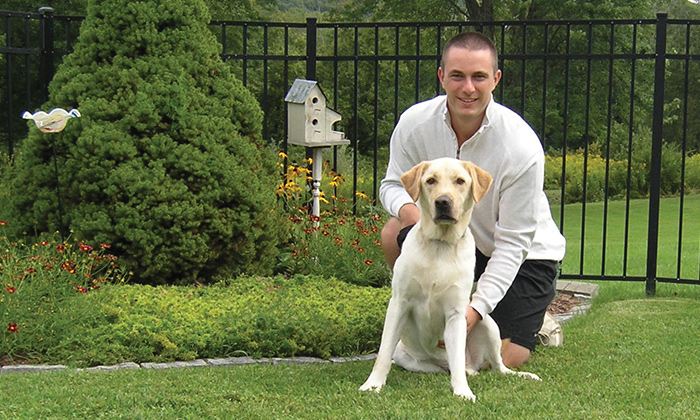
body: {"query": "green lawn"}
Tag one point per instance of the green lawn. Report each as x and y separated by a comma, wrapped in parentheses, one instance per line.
(634, 242)
(626, 359)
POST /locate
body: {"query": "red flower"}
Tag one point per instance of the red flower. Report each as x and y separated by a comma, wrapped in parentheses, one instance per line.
(84, 247)
(314, 217)
(360, 249)
(30, 270)
(80, 289)
(10, 289)
(374, 229)
(338, 241)
(105, 246)
(69, 266)
(326, 233)
(3, 222)
(12, 327)
(368, 262)
(61, 248)
(44, 243)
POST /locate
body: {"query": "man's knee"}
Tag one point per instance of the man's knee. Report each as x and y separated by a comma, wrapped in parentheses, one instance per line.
(390, 231)
(514, 355)
(388, 235)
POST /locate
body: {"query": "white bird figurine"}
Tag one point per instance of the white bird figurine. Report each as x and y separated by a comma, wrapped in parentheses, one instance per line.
(54, 121)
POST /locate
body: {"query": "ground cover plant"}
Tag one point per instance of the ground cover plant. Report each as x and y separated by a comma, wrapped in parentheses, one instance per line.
(629, 358)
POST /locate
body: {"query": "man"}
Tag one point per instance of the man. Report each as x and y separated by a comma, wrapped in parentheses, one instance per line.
(518, 244)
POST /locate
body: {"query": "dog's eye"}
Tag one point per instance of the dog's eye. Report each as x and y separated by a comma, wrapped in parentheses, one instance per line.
(431, 181)
(460, 181)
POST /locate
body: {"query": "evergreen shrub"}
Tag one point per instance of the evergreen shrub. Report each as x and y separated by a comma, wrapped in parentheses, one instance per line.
(166, 163)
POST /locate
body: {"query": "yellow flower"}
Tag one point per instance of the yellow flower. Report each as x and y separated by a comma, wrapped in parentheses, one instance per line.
(282, 155)
(361, 194)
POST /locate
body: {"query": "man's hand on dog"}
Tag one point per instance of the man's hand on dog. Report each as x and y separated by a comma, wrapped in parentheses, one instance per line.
(472, 318)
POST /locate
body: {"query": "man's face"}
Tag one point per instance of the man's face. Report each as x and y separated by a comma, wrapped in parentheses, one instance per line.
(469, 78)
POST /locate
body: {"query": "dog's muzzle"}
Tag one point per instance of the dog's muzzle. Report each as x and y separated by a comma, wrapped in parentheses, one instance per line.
(443, 210)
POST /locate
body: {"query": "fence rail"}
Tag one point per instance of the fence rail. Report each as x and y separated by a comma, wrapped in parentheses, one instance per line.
(617, 91)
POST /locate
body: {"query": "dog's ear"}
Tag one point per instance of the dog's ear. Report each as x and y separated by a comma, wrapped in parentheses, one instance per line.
(481, 180)
(411, 180)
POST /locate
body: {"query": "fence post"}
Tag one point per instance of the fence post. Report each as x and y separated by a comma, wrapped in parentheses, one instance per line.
(656, 150)
(46, 63)
(311, 48)
(310, 60)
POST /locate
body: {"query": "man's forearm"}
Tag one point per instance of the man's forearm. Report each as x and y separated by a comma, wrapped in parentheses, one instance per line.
(409, 214)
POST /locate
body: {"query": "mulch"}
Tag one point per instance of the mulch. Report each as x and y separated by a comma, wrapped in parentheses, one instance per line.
(6, 360)
(563, 303)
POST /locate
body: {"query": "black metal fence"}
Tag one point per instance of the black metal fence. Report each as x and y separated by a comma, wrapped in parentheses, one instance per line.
(619, 96)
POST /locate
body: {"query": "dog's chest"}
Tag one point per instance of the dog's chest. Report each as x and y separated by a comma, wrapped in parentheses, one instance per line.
(435, 277)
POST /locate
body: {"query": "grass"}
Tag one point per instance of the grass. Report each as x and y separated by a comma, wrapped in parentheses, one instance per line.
(633, 358)
(624, 250)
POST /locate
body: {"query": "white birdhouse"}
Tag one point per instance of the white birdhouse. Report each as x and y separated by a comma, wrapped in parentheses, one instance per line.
(310, 121)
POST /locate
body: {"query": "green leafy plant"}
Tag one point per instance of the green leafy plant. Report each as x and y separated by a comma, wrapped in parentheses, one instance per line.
(43, 281)
(336, 243)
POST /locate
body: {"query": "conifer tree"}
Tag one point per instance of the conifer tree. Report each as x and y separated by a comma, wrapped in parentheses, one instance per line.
(167, 163)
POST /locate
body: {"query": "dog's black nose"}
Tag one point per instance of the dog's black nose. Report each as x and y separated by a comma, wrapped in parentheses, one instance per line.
(443, 203)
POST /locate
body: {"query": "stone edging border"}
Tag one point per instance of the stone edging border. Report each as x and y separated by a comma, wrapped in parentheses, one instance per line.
(222, 362)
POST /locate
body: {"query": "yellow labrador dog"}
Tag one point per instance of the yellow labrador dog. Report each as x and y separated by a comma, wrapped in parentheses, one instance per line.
(432, 283)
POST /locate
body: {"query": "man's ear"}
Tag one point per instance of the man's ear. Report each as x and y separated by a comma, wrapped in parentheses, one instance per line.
(411, 180)
(481, 180)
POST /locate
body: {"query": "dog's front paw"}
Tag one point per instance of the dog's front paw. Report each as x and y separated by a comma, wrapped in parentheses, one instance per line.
(372, 385)
(465, 394)
(529, 375)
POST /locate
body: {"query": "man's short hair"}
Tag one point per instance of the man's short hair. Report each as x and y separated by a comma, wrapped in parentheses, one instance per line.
(473, 41)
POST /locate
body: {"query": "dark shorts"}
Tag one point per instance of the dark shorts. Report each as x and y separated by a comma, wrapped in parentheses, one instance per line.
(520, 313)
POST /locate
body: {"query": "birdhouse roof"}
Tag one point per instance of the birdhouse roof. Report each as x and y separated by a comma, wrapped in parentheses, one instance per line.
(300, 90)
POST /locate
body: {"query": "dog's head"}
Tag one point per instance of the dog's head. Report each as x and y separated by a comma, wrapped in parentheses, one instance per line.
(446, 188)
